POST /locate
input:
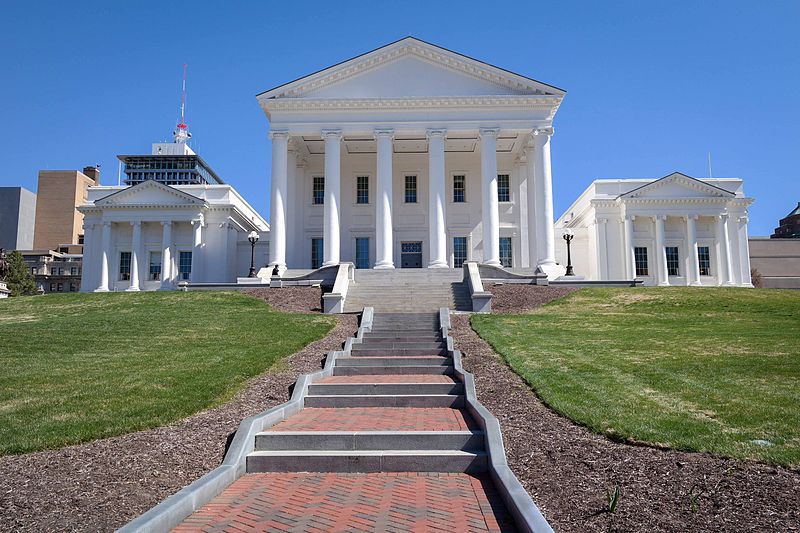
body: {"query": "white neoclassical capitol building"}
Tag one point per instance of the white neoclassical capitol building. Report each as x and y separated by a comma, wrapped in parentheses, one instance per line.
(409, 156)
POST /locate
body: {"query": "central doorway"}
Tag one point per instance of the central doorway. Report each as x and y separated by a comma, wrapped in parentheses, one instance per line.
(411, 254)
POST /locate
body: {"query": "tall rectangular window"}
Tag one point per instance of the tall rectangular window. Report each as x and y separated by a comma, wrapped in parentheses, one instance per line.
(503, 188)
(459, 251)
(459, 189)
(316, 253)
(362, 252)
(124, 266)
(318, 190)
(155, 266)
(411, 190)
(185, 265)
(704, 257)
(362, 189)
(672, 261)
(640, 258)
(506, 257)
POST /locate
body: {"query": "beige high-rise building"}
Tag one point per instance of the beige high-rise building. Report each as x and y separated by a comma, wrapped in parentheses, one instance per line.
(58, 222)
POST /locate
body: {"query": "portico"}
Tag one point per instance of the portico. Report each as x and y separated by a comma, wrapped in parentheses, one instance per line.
(413, 145)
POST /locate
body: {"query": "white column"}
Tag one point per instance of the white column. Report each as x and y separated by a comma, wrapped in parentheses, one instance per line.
(197, 251)
(491, 211)
(105, 253)
(602, 248)
(724, 243)
(533, 226)
(166, 255)
(436, 194)
(544, 196)
(277, 230)
(693, 273)
(136, 254)
(87, 270)
(661, 252)
(744, 252)
(628, 256)
(333, 169)
(384, 257)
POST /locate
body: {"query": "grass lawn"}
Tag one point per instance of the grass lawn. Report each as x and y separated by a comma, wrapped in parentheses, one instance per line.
(77, 367)
(694, 369)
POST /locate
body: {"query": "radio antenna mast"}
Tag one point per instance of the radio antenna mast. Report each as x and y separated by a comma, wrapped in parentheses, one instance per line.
(181, 132)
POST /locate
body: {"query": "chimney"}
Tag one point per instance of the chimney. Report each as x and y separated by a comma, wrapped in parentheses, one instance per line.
(93, 172)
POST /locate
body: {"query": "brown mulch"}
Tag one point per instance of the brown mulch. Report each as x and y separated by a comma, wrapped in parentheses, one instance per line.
(101, 485)
(568, 470)
(291, 299)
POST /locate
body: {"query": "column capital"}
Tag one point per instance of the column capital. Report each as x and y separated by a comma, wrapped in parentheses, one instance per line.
(106, 223)
(601, 220)
(660, 217)
(280, 134)
(136, 222)
(629, 217)
(489, 133)
(383, 133)
(166, 223)
(436, 132)
(722, 216)
(198, 220)
(693, 217)
(744, 218)
(331, 134)
(541, 132)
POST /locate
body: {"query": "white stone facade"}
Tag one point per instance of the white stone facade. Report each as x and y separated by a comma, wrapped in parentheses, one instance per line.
(416, 148)
(676, 230)
(152, 236)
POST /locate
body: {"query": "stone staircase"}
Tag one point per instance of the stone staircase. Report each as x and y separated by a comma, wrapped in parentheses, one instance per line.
(408, 291)
(392, 405)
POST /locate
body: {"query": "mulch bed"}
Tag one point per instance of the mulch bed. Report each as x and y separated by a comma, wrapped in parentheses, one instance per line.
(291, 299)
(568, 470)
(101, 485)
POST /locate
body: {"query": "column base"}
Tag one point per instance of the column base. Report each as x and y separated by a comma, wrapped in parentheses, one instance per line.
(132, 289)
(100, 290)
(695, 284)
(438, 264)
(330, 263)
(493, 262)
(663, 284)
(165, 288)
(383, 266)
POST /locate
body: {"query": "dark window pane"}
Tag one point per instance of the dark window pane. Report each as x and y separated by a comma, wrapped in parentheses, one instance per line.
(503, 188)
(640, 258)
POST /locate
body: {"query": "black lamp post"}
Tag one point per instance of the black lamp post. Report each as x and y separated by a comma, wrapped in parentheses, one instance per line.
(568, 236)
(253, 238)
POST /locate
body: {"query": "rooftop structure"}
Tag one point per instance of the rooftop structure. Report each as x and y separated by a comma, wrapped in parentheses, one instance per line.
(789, 227)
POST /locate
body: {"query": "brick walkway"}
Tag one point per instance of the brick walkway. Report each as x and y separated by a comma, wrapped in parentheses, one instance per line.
(391, 502)
(377, 419)
(397, 378)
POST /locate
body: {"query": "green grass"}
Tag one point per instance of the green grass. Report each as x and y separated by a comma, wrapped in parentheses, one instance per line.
(77, 367)
(693, 369)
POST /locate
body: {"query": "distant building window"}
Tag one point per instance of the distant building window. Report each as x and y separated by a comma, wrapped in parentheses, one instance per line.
(73, 287)
(63, 250)
(80, 239)
(73, 271)
(155, 266)
(411, 190)
(362, 252)
(60, 287)
(506, 258)
(185, 265)
(318, 192)
(704, 257)
(33, 271)
(52, 287)
(124, 266)
(362, 189)
(459, 189)
(503, 188)
(459, 251)
(640, 258)
(672, 261)
(316, 253)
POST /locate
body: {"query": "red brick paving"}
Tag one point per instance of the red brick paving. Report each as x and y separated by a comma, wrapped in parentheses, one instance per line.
(354, 503)
(377, 419)
(396, 378)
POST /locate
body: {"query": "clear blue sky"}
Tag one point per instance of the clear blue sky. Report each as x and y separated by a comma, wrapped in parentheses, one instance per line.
(652, 87)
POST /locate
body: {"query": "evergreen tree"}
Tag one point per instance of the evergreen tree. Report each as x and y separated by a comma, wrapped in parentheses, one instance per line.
(19, 279)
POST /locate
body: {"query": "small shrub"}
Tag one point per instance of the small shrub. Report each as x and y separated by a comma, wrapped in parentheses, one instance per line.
(19, 279)
(612, 499)
(757, 279)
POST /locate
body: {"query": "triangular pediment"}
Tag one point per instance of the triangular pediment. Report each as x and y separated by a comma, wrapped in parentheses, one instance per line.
(677, 185)
(410, 68)
(149, 193)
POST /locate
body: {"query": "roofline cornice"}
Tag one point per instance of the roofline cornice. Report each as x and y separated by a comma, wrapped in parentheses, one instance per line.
(337, 104)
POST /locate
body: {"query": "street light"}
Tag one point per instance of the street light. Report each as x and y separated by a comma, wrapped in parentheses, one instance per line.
(568, 236)
(253, 238)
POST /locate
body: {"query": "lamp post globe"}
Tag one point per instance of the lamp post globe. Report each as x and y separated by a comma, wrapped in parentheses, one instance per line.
(568, 236)
(253, 238)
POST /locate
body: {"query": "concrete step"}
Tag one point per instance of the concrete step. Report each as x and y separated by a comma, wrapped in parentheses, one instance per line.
(409, 343)
(329, 389)
(369, 440)
(422, 360)
(384, 332)
(400, 337)
(390, 370)
(397, 352)
(455, 401)
(364, 461)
